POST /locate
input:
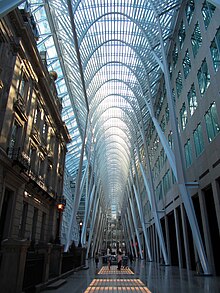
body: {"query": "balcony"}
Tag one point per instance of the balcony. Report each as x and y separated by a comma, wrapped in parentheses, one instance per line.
(19, 158)
(19, 107)
(28, 18)
(35, 135)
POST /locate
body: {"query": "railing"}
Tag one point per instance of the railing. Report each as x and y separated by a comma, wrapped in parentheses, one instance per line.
(67, 262)
(33, 273)
(19, 103)
(19, 157)
(1, 256)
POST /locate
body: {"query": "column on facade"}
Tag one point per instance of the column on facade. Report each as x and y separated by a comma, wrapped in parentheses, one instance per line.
(129, 229)
(127, 235)
(94, 213)
(87, 212)
(140, 210)
(131, 202)
(132, 230)
(96, 229)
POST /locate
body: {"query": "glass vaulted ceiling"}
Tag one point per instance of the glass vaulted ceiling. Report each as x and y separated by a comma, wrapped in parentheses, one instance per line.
(107, 54)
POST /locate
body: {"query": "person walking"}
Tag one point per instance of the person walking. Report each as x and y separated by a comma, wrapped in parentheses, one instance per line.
(131, 258)
(109, 258)
(109, 263)
(119, 260)
(96, 260)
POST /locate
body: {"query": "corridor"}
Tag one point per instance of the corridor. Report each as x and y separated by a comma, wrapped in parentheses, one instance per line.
(109, 145)
(140, 277)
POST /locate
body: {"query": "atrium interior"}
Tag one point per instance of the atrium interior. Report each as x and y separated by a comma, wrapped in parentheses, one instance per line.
(109, 144)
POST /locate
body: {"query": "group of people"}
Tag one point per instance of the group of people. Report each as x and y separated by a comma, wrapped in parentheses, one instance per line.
(119, 259)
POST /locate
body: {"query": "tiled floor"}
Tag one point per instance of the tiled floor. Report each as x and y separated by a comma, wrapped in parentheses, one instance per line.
(117, 285)
(114, 271)
(122, 281)
(147, 277)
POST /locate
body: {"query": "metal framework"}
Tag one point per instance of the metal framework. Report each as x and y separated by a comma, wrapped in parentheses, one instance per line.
(110, 56)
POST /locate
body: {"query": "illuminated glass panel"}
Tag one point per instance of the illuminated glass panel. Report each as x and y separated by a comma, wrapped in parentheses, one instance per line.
(190, 7)
(188, 153)
(175, 55)
(198, 140)
(215, 50)
(107, 73)
(196, 39)
(179, 84)
(207, 11)
(186, 64)
(211, 120)
(192, 100)
(183, 116)
(203, 77)
(182, 34)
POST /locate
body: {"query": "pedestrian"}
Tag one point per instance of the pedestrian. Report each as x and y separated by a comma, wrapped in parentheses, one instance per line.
(96, 259)
(131, 258)
(119, 260)
(109, 263)
(109, 258)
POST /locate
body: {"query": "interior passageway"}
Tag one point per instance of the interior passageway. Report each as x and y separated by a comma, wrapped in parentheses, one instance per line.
(109, 143)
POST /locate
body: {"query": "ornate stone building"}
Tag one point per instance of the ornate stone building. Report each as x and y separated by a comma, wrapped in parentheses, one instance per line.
(33, 141)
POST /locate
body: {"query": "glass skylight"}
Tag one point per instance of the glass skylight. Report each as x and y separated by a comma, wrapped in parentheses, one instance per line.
(105, 51)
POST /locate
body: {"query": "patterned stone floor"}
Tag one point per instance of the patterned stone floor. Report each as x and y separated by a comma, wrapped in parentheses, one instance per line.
(114, 271)
(121, 282)
(147, 276)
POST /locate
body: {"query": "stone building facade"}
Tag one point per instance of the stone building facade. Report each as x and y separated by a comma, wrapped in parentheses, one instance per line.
(33, 141)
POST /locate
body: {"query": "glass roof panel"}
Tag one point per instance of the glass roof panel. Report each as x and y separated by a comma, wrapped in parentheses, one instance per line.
(104, 51)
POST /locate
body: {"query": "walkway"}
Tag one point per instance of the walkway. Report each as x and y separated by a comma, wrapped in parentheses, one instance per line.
(144, 277)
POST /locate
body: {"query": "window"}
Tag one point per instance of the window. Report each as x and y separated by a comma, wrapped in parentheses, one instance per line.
(175, 55)
(14, 141)
(215, 50)
(211, 120)
(188, 153)
(14, 136)
(32, 156)
(174, 96)
(34, 225)
(156, 168)
(45, 132)
(43, 224)
(159, 191)
(156, 143)
(37, 116)
(190, 7)
(162, 158)
(21, 90)
(166, 182)
(179, 84)
(192, 100)
(49, 176)
(170, 139)
(186, 64)
(183, 116)
(23, 220)
(196, 39)
(207, 11)
(198, 140)
(41, 167)
(167, 114)
(170, 70)
(182, 34)
(163, 124)
(203, 77)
